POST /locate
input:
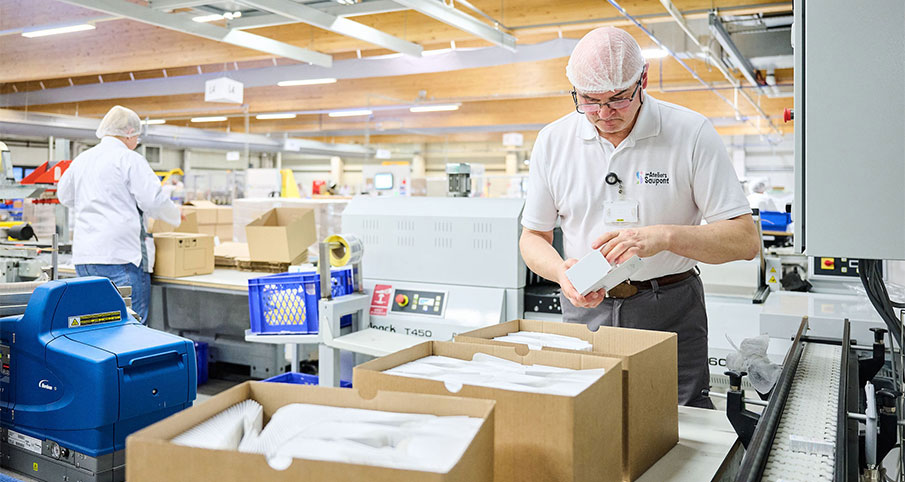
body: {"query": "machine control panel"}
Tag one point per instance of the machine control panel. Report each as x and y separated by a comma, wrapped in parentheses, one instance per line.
(837, 267)
(4, 360)
(416, 302)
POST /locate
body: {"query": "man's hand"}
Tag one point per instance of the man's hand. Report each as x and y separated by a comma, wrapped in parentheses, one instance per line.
(591, 300)
(618, 246)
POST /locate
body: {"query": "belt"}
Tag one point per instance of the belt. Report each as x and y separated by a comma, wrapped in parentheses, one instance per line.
(627, 289)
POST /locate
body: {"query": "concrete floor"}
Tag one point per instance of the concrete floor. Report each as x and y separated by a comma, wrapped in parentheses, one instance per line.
(205, 392)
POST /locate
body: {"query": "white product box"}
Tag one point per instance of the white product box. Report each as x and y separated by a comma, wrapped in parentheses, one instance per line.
(592, 272)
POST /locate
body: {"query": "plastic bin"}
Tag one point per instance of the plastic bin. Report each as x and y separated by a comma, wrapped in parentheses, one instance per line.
(201, 357)
(287, 302)
(774, 220)
(302, 379)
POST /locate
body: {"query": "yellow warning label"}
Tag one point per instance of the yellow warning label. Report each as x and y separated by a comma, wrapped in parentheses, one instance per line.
(35, 466)
(97, 318)
(772, 279)
(772, 270)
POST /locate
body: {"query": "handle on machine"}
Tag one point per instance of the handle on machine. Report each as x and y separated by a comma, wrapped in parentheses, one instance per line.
(155, 358)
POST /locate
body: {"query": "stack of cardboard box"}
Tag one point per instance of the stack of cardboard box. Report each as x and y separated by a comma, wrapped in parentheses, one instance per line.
(212, 219)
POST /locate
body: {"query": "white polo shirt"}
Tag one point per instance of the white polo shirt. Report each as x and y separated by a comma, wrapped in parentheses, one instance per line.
(673, 163)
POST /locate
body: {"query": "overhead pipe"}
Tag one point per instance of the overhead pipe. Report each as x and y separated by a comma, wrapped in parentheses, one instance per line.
(694, 74)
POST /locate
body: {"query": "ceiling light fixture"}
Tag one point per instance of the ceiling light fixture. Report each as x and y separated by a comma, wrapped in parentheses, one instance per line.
(274, 116)
(292, 83)
(434, 108)
(654, 53)
(217, 16)
(209, 119)
(350, 113)
(43, 32)
(152, 122)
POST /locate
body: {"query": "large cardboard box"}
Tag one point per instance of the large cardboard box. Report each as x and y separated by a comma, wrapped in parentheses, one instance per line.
(188, 225)
(183, 254)
(206, 211)
(151, 457)
(224, 232)
(539, 437)
(225, 215)
(281, 235)
(208, 229)
(651, 422)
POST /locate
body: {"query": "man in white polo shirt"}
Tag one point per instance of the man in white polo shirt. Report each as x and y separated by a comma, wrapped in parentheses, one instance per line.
(665, 168)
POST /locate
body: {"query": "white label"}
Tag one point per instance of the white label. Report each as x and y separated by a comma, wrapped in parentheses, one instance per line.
(232, 156)
(24, 442)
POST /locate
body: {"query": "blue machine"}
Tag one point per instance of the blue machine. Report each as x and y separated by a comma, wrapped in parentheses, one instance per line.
(78, 376)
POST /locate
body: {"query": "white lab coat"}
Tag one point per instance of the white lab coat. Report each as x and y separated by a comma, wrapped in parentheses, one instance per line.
(761, 201)
(103, 188)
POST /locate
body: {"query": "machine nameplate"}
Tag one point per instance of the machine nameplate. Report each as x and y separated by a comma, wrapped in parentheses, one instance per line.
(24, 441)
(94, 319)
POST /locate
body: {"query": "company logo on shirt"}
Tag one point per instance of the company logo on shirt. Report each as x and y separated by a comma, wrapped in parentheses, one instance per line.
(651, 177)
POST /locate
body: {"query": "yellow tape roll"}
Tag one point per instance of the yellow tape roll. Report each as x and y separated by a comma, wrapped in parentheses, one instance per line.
(349, 250)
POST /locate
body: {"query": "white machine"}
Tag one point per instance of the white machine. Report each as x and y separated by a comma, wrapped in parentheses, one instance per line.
(387, 179)
(439, 266)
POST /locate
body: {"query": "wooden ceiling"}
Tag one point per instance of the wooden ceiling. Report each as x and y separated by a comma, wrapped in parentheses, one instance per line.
(504, 95)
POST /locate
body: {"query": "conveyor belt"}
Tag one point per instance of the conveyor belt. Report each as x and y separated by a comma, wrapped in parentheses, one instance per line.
(811, 412)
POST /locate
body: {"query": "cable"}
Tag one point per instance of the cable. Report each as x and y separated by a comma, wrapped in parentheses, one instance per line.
(871, 275)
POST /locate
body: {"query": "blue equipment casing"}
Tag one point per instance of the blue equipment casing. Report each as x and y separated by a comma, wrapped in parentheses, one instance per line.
(84, 374)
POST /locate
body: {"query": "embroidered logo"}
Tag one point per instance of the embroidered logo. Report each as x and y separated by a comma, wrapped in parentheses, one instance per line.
(651, 177)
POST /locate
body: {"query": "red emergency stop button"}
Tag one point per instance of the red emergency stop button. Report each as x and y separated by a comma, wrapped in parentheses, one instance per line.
(402, 300)
(788, 115)
(828, 263)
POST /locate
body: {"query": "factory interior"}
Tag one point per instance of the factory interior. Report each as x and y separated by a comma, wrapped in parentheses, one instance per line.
(506, 240)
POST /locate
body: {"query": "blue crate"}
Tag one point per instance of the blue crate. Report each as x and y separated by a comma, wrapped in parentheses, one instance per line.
(201, 357)
(302, 379)
(287, 302)
(774, 220)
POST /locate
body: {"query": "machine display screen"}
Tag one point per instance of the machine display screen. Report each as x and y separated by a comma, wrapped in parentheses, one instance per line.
(383, 181)
(417, 302)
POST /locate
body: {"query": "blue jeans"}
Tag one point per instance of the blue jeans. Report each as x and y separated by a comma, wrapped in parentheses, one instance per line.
(124, 275)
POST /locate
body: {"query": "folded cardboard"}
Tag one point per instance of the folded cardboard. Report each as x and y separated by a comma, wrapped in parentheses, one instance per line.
(188, 225)
(152, 457)
(183, 254)
(539, 437)
(649, 381)
(207, 211)
(281, 235)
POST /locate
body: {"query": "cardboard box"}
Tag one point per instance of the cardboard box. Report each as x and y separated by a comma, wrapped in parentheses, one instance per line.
(225, 215)
(208, 229)
(188, 225)
(539, 437)
(206, 211)
(151, 457)
(183, 254)
(651, 424)
(281, 235)
(224, 232)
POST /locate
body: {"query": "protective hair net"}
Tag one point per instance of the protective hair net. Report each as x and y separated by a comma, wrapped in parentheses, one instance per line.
(606, 59)
(119, 121)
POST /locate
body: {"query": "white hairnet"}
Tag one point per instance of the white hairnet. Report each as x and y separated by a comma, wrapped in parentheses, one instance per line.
(119, 121)
(759, 186)
(606, 59)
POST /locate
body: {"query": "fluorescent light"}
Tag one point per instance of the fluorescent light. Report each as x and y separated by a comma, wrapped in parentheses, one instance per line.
(654, 53)
(350, 113)
(152, 122)
(291, 83)
(209, 119)
(274, 116)
(434, 108)
(208, 18)
(57, 30)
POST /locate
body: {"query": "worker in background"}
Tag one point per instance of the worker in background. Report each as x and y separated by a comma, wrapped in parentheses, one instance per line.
(759, 198)
(658, 169)
(108, 189)
(173, 188)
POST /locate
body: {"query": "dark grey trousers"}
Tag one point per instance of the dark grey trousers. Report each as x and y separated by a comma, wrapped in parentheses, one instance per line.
(679, 308)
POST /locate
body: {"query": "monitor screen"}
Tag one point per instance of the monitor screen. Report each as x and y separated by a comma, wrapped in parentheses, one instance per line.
(383, 181)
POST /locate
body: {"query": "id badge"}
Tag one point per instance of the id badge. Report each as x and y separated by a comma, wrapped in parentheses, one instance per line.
(623, 211)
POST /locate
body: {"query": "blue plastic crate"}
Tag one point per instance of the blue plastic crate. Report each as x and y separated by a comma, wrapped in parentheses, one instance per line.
(302, 379)
(774, 220)
(201, 357)
(287, 302)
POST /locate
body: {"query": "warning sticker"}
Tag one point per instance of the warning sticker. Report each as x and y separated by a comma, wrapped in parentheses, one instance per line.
(380, 300)
(772, 279)
(97, 318)
(24, 442)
